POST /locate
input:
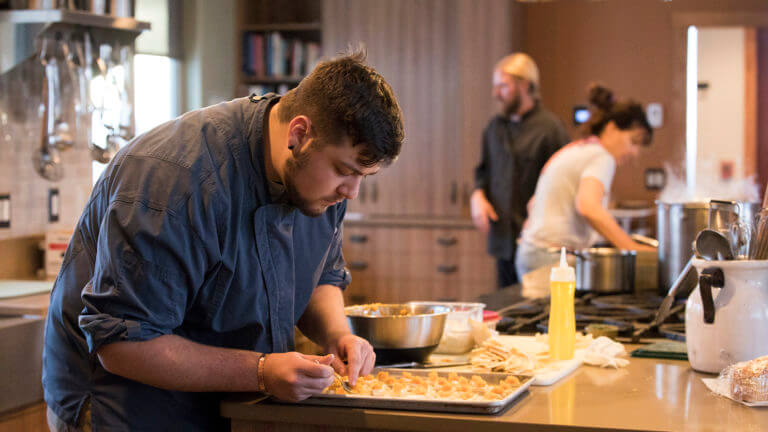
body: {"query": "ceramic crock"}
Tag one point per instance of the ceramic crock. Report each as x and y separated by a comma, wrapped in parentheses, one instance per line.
(726, 316)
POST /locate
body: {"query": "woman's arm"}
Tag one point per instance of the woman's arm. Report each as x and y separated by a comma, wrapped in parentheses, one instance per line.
(589, 204)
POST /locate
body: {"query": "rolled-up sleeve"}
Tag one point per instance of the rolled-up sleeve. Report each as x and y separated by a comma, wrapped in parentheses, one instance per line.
(148, 265)
(335, 271)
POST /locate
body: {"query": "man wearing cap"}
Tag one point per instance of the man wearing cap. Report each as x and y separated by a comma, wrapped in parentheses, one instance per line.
(516, 144)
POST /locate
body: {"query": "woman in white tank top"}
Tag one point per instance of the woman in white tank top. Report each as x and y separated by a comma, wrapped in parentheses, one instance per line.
(569, 205)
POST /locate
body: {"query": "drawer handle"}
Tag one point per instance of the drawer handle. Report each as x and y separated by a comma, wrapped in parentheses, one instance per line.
(447, 241)
(358, 238)
(358, 265)
(447, 269)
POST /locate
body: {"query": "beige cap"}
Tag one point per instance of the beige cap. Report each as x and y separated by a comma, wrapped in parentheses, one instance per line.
(520, 65)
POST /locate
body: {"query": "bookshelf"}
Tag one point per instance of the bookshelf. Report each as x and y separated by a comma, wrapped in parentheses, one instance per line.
(279, 42)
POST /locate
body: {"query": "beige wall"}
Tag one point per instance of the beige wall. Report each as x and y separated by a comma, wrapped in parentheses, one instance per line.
(635, 47)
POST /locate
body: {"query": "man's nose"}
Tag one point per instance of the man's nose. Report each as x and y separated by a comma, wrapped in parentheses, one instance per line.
(350, 188)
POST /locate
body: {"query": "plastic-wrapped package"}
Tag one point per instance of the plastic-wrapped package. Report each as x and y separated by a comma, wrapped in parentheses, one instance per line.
(744, 382)
(748, 381)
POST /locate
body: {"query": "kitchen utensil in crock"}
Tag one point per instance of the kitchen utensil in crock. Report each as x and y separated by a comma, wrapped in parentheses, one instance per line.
(685, 282)
(735, 220)
(759, 249)
(713, 246)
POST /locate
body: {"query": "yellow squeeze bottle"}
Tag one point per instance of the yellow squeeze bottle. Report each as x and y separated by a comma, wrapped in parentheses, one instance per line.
(562, 321)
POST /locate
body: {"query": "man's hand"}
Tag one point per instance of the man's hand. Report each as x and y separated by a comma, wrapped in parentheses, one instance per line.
(482, 210)
(358, 353)
(293, 376)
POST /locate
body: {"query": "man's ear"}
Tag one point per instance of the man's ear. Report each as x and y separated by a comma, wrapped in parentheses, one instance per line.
(298, 133)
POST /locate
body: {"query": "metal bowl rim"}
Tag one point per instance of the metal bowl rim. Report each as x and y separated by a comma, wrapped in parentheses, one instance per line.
(444, 310)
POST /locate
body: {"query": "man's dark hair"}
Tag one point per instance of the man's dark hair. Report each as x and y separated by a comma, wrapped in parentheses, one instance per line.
(624, 114)
(345, 96)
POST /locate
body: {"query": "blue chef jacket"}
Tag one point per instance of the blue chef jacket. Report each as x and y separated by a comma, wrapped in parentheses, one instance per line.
(180, 237)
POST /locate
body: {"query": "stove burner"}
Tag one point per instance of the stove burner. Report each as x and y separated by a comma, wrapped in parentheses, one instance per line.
(598, 313)
(525, 308)
(625, 311)
(639, 304)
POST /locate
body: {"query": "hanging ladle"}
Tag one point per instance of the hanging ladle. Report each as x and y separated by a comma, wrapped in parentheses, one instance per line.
(46, 158)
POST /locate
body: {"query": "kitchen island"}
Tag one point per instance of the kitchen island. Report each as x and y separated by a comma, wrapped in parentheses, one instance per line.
(648, 395)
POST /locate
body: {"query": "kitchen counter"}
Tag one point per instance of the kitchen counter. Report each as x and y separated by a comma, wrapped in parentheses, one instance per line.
(649, 394)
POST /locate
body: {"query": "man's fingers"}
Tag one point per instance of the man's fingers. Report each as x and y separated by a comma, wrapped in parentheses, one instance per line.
(492, 213)
(318, 368)
(326, 359)
(369, 363)
(339, 365)
(314, 385)
(353, 367)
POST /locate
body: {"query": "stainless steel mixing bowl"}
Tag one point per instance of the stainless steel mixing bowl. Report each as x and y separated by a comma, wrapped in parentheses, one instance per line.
(399, 332)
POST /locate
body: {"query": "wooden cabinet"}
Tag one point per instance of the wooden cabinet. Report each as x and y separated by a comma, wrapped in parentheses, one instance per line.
(401, 262)
(438, 56)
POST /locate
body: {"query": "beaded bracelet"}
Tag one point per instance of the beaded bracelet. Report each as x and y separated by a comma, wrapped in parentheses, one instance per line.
(260, 373)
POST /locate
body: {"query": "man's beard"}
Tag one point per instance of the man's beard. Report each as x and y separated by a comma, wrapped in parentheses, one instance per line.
(292, 195)
(511, 107)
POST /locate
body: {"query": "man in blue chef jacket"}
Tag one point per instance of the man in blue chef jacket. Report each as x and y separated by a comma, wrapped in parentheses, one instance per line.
(203, 244)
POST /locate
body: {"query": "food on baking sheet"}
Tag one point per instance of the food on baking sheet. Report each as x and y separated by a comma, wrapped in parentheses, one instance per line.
(748, 380)
(433, 386)
(378, 309)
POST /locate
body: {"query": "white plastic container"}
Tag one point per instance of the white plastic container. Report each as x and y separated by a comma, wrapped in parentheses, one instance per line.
(457, 335)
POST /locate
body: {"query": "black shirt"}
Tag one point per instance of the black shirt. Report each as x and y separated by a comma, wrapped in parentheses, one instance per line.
(513, 155)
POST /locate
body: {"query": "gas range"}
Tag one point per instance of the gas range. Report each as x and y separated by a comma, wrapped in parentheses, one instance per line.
(631, 314)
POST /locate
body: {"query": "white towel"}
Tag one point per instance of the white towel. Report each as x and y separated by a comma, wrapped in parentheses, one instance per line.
(604, 352)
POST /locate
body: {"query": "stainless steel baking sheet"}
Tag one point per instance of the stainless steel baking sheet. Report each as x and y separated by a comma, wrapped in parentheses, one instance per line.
(423, 404)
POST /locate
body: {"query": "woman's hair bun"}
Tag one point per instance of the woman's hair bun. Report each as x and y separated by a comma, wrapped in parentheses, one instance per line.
(601, 97)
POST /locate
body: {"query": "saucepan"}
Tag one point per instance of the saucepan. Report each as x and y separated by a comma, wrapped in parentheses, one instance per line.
(605, 270)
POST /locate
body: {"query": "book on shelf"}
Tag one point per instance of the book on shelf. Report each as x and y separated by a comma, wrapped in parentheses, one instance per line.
(271, 55)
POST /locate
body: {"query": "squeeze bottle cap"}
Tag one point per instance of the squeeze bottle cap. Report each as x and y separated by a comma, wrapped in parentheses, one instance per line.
(563, 272)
